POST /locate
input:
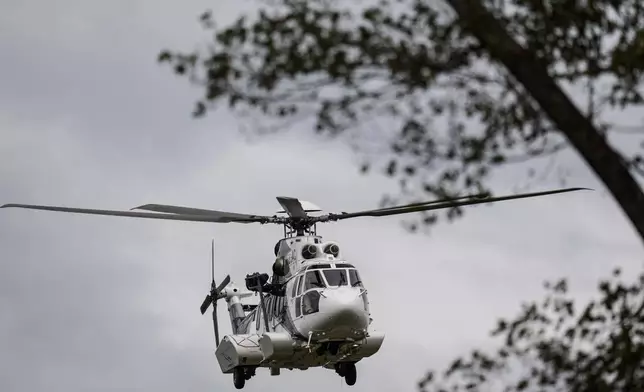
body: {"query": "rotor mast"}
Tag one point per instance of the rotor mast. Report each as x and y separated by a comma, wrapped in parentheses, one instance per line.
(299, 228)
(298, 221)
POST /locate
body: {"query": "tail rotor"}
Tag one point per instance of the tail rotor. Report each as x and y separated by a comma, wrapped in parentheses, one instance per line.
(215, 294)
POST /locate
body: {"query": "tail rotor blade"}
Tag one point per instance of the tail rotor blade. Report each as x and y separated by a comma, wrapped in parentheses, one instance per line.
(205, 304)
(212, 261)
(215, 323)
(214, 293)
(223, 284)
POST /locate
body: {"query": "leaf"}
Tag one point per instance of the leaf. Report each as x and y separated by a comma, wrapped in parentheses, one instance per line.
(164, 56)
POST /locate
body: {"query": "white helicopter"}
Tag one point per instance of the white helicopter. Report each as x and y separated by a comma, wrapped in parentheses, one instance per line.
(313, 311)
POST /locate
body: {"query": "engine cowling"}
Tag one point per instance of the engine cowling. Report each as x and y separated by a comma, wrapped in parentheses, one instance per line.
(332, 249)
(309, 251)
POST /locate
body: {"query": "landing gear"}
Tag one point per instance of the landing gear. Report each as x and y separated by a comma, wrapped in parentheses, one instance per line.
(350, 375)
(330, 347)
(334, 347)
(348, 371)
(241, 374)
(239, 377)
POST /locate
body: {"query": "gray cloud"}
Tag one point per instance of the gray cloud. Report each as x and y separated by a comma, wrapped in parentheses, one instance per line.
(98, 303)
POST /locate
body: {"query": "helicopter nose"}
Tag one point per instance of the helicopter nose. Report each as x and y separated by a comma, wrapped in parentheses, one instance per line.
(344, 308)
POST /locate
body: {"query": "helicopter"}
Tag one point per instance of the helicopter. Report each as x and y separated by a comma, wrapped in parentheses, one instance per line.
(313, 309)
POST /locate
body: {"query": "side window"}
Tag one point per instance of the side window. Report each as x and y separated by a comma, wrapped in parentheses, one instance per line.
(294, 288)
(311, 302)
(300, 285)
(298, 305)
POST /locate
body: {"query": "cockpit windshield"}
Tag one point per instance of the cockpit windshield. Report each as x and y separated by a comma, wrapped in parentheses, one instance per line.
(313, 280)
(330, 277)
(355, 278)
(336, 277)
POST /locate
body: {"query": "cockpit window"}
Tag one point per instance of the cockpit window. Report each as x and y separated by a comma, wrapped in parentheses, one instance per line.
(336, 277)
(311, 302)
(313, 280)
(355, 278)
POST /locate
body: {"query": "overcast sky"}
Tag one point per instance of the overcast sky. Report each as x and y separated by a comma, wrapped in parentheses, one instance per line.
(88, 119)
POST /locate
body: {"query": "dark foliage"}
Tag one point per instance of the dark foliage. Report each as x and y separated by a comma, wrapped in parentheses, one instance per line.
(455, 113)
(557, 345)
(459, 110)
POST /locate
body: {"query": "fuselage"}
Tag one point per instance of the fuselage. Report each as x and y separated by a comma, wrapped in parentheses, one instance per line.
(313, 312)
(324, 298)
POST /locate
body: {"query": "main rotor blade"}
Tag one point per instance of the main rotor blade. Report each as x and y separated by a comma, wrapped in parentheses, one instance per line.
(177, 217)
(292, 206)
(170, 209)
(477, 196)
(440, 204)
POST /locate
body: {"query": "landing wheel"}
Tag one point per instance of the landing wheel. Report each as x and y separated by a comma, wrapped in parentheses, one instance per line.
(239, 377)
(350, 373)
